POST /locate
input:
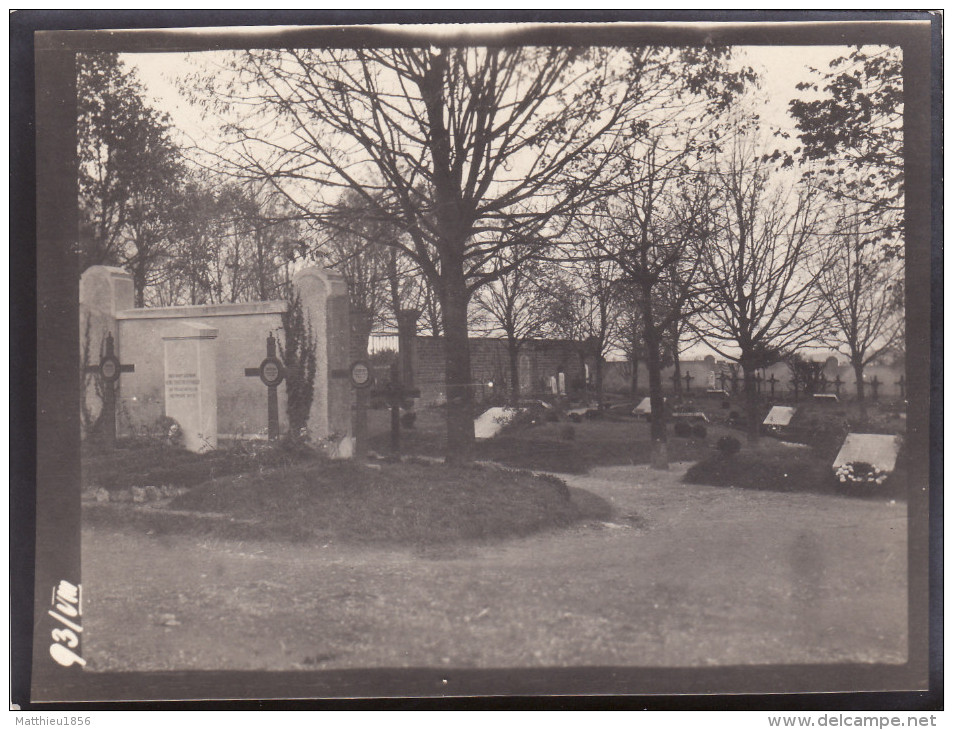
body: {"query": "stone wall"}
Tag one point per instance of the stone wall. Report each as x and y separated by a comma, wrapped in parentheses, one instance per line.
(489, 363)
(106, 306)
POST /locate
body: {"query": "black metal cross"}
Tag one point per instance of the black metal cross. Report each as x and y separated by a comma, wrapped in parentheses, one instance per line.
(772, 380)
(394, 394)
(875, 384)
(271, 371)
(688, 382)
(903, 386)
(109, 370)
(724, 379)
(837, 384)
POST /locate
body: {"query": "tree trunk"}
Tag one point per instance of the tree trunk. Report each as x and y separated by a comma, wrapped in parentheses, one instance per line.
(514, 352)
(676, 374)
(859, 379)
(751, 403)
(460, 437)
(653, 361)
(635, 377)
(600, 395)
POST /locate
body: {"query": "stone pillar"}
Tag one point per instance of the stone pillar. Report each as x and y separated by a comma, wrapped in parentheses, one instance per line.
(191, 395)
(326, 307)
(103, 291)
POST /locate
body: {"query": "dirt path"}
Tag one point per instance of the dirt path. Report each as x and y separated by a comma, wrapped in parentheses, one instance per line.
(684, 575)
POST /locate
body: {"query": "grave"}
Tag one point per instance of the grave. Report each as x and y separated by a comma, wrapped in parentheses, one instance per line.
(779, 416)
(244, 403)
(876, 449)
(826, 397)
(645, 407)
(489, 423)
(191, 384)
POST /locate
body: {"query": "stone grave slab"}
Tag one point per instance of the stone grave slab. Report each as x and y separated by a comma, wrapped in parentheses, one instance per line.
(826, 397)
(876, 449)
(645, 407)
(779, 416)
(191, 396)
(489, 423)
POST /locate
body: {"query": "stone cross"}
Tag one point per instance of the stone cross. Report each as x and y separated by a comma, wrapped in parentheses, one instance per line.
(688, 382)
(394, 394)
(903, 386)
(272, 372)
(772, 380)
(874, 385)
(109, 370)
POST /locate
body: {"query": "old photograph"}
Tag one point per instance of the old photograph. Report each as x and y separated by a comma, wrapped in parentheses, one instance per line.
(493, 349)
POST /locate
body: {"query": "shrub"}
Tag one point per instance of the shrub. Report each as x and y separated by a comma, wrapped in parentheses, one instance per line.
(699, 431)
(728, 445)
(683, 429)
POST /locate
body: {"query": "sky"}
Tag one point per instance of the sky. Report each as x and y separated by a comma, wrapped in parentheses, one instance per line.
(781, 68)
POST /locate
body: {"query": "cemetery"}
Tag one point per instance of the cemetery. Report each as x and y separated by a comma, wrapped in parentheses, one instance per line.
(361, 426)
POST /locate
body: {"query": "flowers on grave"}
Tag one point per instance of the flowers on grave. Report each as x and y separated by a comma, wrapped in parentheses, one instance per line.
(860, 472)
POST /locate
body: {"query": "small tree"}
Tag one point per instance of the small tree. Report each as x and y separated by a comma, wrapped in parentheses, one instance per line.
(298, 352)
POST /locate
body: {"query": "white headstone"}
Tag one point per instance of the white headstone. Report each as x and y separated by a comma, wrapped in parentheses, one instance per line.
(553, 385)
(490, 422)
(876, 449)
(644, 408)
(562, 383)
(711, 380)
(190, 384)
(779, 416)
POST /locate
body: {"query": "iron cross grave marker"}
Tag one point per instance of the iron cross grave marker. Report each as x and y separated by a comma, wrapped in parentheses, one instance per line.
(109, 370)
(271, 372)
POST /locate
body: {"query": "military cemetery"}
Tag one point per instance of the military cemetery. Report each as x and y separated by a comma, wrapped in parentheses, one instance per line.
(522, 419)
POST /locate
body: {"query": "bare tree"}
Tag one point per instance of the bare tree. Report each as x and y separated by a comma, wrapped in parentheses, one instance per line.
(459, 147)
(514, 304)
(763, 299)
(859, 288)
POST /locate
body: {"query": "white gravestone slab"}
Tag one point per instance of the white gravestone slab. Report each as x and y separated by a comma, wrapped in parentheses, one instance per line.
(553, 385)
(490, 422)
(779, 416)
(190, 384)
(711, 380)
(645, 407)
(562, 384)
(876, 449)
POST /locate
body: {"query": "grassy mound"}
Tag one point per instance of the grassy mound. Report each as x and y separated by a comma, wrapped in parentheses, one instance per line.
(397, 504)
(158, 464)
(792, 470)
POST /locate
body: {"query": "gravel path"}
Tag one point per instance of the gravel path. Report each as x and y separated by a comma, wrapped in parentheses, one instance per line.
(683, 575)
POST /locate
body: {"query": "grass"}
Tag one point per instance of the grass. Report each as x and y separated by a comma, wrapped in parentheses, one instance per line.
(562, 447)
(396, 504)
(773, 467)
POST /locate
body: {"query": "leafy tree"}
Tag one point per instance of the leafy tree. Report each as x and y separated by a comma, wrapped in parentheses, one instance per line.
(854, 134)
(127, 166)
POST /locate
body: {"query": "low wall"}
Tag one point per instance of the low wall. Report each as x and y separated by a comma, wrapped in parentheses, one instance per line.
(242, 331)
